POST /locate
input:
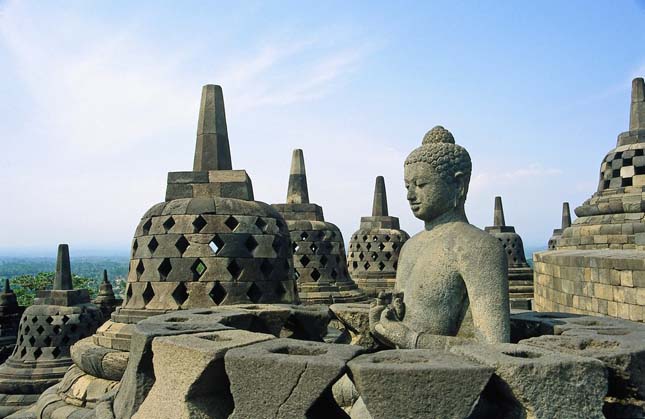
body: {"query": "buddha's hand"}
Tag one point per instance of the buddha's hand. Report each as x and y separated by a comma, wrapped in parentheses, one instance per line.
(392, 332)
(376, 308)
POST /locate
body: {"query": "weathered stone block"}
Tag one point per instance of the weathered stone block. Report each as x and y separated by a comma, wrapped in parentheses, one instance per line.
(418, 383)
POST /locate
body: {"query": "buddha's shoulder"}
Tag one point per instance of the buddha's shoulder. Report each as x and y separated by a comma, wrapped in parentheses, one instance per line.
(476, 237)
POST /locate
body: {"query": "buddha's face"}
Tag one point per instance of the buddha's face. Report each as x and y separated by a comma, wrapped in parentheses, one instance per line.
(429, 194)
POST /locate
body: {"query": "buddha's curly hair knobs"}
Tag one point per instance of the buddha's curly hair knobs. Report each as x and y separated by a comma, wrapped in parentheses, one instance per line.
(444, 156)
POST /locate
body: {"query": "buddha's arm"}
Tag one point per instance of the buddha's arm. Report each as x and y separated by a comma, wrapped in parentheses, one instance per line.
(486, 278)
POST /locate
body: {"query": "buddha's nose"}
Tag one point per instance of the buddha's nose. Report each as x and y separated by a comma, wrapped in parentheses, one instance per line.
(411, 196)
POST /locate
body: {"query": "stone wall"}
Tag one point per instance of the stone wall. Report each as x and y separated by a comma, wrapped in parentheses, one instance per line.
(606, 282)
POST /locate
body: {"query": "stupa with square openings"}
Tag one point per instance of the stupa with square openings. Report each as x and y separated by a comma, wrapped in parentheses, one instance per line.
(374, 249)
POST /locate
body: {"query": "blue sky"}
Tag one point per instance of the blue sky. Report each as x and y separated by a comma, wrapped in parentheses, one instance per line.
(99, 101)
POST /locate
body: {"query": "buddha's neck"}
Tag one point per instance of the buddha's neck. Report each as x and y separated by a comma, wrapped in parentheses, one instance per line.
(456, 214)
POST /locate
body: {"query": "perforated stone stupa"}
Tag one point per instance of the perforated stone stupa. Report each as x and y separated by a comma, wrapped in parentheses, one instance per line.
(520, 274)
(209, 243)
(566, 222)
(318, 249)
(106, 299)
(374, 249)
(58, 319)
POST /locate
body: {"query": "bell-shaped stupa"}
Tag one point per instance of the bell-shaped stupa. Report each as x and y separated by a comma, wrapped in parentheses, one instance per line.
(374, 249)
(520, 274)
(615, 213)
(59, 318)
(318, 248)
(10, 313)
(106, 299)
(566, 222)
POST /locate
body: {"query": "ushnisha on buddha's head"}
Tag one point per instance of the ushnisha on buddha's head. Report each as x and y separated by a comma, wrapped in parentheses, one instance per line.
(437, 175)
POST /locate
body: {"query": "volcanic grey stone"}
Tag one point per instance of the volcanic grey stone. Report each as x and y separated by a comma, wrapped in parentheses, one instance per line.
(63, 277)
(190, 378)
(356, 319)
(566, 222)
(99, 361)
(286, 378)
(449, 267)
(418, 383)
(213, 151)
(536, 383)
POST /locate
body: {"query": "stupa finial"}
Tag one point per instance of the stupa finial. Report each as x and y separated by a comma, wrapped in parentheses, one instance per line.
(63, 278)
(498, 216)
(637, 110)
(297, 192)
(212, 151)
(379, 208)
(7, 286)
(566, 215)
(105, 277)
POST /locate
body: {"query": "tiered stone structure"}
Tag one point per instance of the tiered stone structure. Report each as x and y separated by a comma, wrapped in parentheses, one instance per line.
(520, 274)
(209, 243)
(597, 266)
(59, 318)
(106, 299)
(318, 249)
(557, 232)
(10, 313)
(374, 249)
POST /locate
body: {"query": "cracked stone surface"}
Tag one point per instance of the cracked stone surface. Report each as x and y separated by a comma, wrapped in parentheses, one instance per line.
(418, 383)
(285, 378)
(532, 383)
(191, 382)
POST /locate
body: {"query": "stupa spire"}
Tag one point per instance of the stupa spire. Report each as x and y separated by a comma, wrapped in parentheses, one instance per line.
(498, 216)
(7, 286)
(63, 278)
(379, 207)
(297, 192)
(212, 151)
(637, 110)
(566, 215)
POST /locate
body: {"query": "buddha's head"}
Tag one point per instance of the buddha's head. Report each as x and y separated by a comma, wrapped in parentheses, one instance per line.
(437, 175)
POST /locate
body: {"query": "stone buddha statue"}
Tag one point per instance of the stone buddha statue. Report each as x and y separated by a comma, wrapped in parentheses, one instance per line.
(449, 269)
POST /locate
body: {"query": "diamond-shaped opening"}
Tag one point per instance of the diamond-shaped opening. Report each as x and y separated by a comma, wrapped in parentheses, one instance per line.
(180, 294)
(313, 247)
(37, 353)
(374, 238)
(254, 293)
(32, 341)
(334, 274)
(394, 246)
(234, 269)
(164, 269)
(296, 274)
(364, 238)
(388, 255)
(148, 293)
(358, 246)
(128, 292)
(323, 261)
(361, 256)
(49, 319)
(40, 330)
(295, 247)
(140, 269)
(261, 224)
(374, 256)
(56, 352)
(305, 261)
(251, 244)
(277, 244)
(23, 352)
(198, 268)
(381, 266)
(315, 274)
(216, 244)
(279, 289)
(65, 319)
(56, 329)
(199, 223)
(48, 341)
(231, 222)
(218, 293)
(34, 320)
(369, 246)
(387, 238)
(146, 227)
(266, 268)
(153, 244)
(135, 246)
(182, 244)
(167, 225)
(381, 246)
(354, 265)
(366, 265)
(304, 236)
